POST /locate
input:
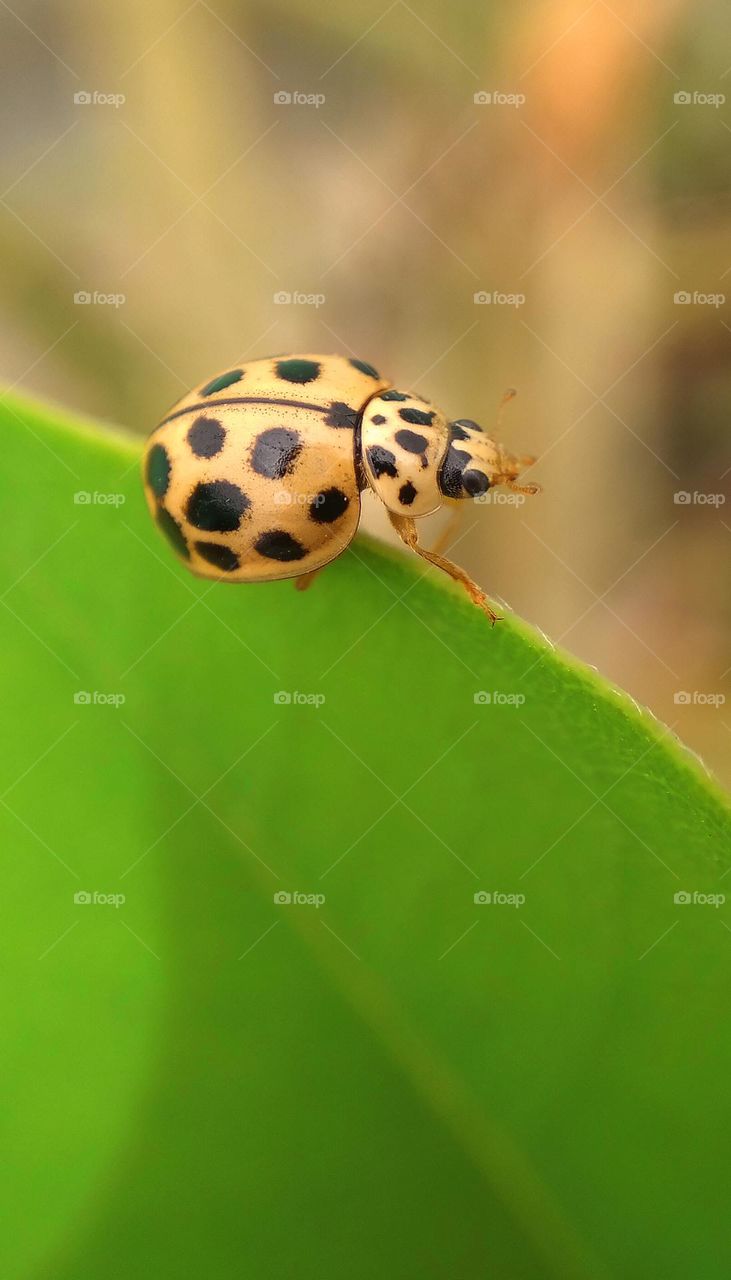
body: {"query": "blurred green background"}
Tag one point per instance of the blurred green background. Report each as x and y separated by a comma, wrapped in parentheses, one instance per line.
(593, 195)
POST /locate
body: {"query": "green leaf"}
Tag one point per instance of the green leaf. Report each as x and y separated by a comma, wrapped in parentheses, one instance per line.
(399, 1081)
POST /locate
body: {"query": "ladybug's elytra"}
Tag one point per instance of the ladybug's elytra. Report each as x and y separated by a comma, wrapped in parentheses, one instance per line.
(258, 474)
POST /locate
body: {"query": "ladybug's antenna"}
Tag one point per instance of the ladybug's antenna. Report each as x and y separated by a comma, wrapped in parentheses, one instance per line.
(505, 399)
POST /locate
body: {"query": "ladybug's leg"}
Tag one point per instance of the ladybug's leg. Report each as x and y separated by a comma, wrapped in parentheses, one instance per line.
(406, 530)
(306, 580)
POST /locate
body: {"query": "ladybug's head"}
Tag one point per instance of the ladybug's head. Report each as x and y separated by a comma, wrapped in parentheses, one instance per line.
(413, 459)
(474, 463)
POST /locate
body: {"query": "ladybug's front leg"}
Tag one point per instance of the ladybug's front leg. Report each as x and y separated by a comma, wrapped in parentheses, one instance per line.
(406, 530)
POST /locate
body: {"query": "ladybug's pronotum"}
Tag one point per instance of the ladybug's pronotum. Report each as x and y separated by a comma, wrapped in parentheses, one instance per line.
(258, 474)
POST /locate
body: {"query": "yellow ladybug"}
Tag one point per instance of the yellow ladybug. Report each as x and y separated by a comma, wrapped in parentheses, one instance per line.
(258, 474)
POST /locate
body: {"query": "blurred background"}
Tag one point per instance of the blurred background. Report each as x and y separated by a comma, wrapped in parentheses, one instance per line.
(471, 197)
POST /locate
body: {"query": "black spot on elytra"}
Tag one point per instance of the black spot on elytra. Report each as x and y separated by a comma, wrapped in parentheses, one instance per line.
(393, 395)
(275, 452)
(277, 544)
(328, 506)
(222, 557)
(450, 479)
(173, 532)
(475, 482)
(378, 419)
(418, 416)
(407, 493)
(158, 469)
(217, 507)
(222, 381)
(411, 441)
(206, 437)
(381, 461)
(298, 370)
(368, 369)
(341, 415)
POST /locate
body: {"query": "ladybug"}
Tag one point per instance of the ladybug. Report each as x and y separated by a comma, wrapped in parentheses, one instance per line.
(257, 474)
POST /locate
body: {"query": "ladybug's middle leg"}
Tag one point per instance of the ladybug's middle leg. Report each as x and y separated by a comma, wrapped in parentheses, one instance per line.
(306, 580)
(450, 526)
